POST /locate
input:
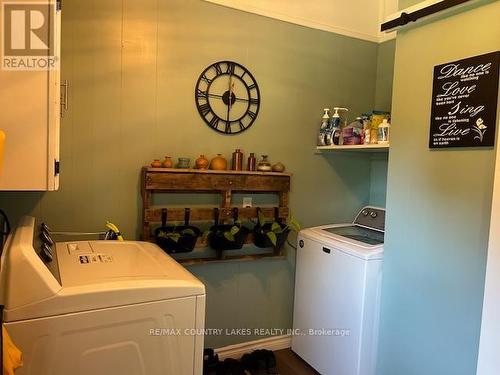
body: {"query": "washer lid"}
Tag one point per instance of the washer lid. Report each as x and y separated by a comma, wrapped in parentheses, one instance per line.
(332, 235)
(102, 274)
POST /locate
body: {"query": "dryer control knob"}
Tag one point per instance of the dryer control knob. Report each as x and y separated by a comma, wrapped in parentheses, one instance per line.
(46, 253)
(46, 238)
(45, 228)
(373, 214)
(365, 212)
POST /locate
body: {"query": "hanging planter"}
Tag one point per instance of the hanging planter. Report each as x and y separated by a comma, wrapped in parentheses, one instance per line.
(176, 239)
(273, 234)
(227, 236)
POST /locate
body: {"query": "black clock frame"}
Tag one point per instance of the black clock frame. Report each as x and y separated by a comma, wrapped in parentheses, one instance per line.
(203, 102)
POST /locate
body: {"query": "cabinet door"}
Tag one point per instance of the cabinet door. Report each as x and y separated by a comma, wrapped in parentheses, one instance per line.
(30, 97)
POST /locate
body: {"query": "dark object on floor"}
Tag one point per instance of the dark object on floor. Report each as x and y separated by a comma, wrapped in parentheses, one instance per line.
(230, 367)
(260, 362)
(210, 362)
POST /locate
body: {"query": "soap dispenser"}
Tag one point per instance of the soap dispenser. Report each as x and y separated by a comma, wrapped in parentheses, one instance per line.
(323, 130)
(333, 136)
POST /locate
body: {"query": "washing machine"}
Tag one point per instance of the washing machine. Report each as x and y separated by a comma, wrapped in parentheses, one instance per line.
(337, 294)
(100, 307)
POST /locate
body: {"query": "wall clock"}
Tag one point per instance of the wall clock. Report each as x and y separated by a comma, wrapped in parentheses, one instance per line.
(227, 97)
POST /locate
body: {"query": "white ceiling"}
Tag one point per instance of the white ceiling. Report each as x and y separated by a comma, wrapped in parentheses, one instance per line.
(356, 18)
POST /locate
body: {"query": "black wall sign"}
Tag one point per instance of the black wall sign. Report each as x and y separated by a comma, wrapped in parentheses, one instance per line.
(464, 102)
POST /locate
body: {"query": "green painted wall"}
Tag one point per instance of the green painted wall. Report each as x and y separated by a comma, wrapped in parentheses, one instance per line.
(438, 212)
(132, 67)
(385, 75)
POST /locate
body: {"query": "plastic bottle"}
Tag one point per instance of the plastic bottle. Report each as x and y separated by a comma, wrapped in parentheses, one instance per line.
(383, 132)
(334, 131)
(324, 127)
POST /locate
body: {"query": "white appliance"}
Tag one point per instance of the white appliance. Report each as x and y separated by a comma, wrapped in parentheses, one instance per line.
(100, 307)
(337, 295)
(30, 95)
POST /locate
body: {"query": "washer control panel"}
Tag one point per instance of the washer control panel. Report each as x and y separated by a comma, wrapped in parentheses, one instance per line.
(371, 217)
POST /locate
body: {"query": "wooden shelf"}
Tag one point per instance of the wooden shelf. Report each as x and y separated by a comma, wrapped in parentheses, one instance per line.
(356, 148)
(225, 183)
(210, 171)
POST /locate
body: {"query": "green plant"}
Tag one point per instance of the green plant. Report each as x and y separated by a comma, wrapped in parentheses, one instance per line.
(175, 235)
(291, 225)
(228, 234)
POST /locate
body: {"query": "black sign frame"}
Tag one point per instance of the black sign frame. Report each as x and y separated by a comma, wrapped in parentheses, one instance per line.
(464, 102)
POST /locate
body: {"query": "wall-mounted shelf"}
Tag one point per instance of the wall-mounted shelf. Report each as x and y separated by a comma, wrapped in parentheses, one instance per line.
(167, 180)
(355, 148)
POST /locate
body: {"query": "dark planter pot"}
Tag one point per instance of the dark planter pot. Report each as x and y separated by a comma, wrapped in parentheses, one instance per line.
(262, 240)
(218, 241)
(184, 244)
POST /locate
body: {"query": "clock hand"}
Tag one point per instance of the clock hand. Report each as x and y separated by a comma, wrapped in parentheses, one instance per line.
(220, 97)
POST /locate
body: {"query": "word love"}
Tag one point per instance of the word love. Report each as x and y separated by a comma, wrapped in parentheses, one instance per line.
(454, 70)
(452, 89)
(446, 130)
(461, 109)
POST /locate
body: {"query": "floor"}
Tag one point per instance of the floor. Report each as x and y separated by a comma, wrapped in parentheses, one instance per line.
(290, 363)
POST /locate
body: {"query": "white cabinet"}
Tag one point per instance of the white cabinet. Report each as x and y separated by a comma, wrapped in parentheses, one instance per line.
(30, 98)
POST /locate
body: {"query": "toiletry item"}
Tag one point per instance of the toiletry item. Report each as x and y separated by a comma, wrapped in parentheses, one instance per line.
(333, 136)
(264, 165)
(156, 163)
(278, 167)
(252, 162)
(202, 162)
(383, 132)
(218, 163)
(367, 130)
(324, 127)
(373, 136)
(167, 163)
(352, 133)
(237, 160)
(183, 163)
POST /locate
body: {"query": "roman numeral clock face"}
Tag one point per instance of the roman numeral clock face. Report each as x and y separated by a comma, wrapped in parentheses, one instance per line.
(227, 97)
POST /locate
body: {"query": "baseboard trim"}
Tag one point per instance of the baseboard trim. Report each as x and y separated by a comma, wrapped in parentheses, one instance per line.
(236, 351)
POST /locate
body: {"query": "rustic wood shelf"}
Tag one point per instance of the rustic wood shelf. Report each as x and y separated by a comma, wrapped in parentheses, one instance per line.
(169, 180)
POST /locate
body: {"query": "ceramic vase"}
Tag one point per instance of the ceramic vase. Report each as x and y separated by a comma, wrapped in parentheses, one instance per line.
(278, 167)
(202, 162)
(218, 163)
(167, 163)
(264, 165)
(156, 163)
(183, 163)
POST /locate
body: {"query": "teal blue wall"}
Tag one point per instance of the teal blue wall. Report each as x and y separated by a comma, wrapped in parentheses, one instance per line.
(438, 211)
(378, 180)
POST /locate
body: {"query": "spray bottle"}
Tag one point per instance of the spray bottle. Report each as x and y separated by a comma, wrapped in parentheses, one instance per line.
(333, 136)
(324, 127)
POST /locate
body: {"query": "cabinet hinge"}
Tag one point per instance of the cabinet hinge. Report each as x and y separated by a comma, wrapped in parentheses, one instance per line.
(59, 5)
(57, 167)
